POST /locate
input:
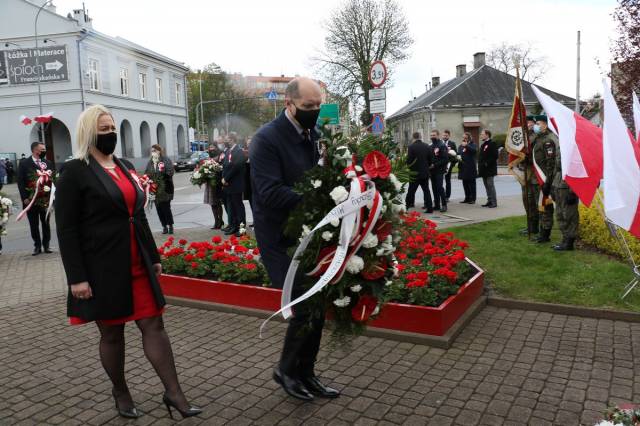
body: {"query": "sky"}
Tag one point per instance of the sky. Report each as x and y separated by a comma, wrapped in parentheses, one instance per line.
(280, 36)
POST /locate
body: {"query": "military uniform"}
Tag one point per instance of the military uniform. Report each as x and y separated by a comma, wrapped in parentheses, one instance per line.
(566, 209)
(530, 192)
(545, 151)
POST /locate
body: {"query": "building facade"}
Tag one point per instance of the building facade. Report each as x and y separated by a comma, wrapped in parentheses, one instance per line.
(79, 67)
(472, 101)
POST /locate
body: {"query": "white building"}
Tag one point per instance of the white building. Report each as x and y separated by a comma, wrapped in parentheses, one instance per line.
(79, 67)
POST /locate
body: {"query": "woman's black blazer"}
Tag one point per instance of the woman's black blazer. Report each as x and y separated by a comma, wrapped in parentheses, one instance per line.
(93, 226)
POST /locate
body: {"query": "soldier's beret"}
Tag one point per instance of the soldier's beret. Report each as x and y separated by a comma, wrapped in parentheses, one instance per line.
(542, 117)
(531, 118)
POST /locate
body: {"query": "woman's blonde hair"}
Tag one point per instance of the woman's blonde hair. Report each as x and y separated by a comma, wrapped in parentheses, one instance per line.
(87, 129)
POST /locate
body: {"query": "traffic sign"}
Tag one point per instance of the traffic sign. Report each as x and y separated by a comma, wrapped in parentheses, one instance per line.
(329, 113)
(377, 73)
(272, 95)
(376, 107)
(377, 94)
(377, 124)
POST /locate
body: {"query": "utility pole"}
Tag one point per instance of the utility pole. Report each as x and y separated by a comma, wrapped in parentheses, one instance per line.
(577, 109)
(35, 30)
(201, 109)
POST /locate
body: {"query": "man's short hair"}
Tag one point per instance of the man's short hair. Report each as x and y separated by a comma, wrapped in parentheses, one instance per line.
(447, 131)
(34, 145)
(417, 135)
(436, 131)
(293, 90)
(487, 132)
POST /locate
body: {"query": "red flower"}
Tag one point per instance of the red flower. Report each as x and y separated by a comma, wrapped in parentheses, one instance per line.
(188, 258)
(218, 255)
(401, 256)
(382, 230)
(377, 165)
(256, 251)
(416, 262)
(201, 255)
(249, 257)
(182, 242)
(194, 265)
(416, 283)
(217, 239)
(250, 266)
(240, 249)
(364, 308)
(376, 271)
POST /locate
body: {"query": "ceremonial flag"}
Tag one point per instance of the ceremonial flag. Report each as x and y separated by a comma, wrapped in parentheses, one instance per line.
(621, 169)
(25, 120)
(516, 142)
(44, 118)
(580, 147)
(636, 116)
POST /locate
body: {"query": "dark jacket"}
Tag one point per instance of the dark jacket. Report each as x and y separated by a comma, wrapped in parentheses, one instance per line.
(233, 170)
(26, 173)
(420, 158)
(488, 159)
(451, 145)
(467, 169)
(93, 226)
(166, 175)
(440, 157)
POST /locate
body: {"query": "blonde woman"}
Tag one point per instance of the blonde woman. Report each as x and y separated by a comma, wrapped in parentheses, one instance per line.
(111, 260)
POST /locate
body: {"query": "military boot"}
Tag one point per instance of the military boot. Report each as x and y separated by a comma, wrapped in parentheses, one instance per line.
(565, 245)
(544, 236)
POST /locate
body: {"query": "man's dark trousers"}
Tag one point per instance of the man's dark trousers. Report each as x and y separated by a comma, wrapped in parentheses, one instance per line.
(236, 214)
(447, 180)
(438, 190)
(411, 193)
(37, 215)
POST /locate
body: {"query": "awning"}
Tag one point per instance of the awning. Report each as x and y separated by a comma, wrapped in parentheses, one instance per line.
(471, 124)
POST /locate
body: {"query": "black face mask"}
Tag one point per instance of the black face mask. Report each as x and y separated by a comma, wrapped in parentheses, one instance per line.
(106, 143)
(307, 118)
(434, 140)
(43, 155)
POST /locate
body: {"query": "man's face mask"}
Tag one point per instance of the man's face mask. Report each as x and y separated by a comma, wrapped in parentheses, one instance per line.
(536, 128)
(306, 118)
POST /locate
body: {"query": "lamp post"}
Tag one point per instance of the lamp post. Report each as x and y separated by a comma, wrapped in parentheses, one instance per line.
(35, 28)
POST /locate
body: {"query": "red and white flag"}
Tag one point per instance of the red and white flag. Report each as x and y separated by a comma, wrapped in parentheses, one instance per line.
(516, 142)
(580, 147)
(636, 116)
(25, 120)
(44, 118)
(621, 169)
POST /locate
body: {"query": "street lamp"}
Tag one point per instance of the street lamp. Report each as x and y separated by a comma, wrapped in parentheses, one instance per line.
(35, 28)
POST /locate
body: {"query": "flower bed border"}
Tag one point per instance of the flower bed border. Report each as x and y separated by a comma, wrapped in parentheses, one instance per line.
(418, 324)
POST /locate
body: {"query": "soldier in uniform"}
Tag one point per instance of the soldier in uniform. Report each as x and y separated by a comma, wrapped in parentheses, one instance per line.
(567, 213)
(545, 150)
(530, 192)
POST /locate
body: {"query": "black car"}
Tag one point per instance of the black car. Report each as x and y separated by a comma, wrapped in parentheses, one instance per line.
(189, 160)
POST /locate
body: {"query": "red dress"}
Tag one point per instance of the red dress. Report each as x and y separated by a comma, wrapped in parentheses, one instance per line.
(144, 304)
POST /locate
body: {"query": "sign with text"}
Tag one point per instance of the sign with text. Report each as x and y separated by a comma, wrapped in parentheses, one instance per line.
(51, 65)
(4, 79)
(377, 94)
(378, 107)
(329, 113)
(377, 73)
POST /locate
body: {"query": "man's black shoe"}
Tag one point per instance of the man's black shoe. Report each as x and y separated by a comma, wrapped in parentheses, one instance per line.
(293, 387)
(315, 386)
(231, 231)
(492, 206)
(436, 207)
(464, 202)
(226, 228)
(428, 210)
(36, 251)
(443, 209)
(487, 204)
(47, 250)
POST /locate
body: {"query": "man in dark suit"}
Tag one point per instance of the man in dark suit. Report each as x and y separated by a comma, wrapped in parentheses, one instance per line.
(419, 158)
(451, 145)
(438, 170)
(488, 167)
(233, 183)
(280, 153)
(37, 214)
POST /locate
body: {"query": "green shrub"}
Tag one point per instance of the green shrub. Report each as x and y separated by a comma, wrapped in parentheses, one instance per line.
(499, 139)
(594, 232)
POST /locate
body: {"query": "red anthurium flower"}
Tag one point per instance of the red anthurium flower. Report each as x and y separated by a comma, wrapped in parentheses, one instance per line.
(375, 272)
(382, 229)
(364, 308)
(377, 165)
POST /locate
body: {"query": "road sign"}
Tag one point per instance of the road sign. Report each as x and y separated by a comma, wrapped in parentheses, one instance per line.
(377, 94)
(329, 112)
(52, 65)
(377, 73)
(377, 124)
(272, 95)
(376, 107)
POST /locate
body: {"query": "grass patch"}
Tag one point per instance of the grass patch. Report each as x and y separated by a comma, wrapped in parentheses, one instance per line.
(521, 269)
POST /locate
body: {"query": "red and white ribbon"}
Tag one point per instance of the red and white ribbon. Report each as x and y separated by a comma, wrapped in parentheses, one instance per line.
(44, 176)
(144, 183)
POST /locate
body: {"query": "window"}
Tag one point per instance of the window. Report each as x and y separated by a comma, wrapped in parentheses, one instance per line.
(159, 89)
(94, 74)
(124, 82)
(142, 78)
(178, 94)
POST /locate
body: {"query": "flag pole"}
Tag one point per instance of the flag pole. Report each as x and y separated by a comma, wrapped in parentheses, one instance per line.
(525, 138)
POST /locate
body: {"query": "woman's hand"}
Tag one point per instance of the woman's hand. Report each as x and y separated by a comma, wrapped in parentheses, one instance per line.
(81, 290)
(157, 268)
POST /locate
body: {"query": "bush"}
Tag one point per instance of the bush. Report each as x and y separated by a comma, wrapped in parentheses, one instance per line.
(594, 232)
(499, 139)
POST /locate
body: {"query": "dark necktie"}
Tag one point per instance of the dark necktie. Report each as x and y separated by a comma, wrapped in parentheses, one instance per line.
(305, 135)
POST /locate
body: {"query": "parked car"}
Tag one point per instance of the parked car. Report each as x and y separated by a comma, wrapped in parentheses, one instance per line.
(189, 160)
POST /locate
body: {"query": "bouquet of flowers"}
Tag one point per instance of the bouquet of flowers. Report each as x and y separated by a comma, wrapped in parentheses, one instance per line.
(624, 415)
(206, 172)
(347, 227)
(234, 260)
(5, 212)
(39, 186)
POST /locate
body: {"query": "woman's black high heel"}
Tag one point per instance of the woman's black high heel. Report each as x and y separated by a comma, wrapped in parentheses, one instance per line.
(190, 412)
(131, 413)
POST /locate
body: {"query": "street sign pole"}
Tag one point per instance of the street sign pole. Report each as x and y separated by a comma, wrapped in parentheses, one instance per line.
(377, 96)
(35, 25)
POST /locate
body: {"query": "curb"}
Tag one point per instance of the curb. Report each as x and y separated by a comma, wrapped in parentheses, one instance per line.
(553, 308)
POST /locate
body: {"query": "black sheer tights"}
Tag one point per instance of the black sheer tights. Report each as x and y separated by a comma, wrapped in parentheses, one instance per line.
(157, 349)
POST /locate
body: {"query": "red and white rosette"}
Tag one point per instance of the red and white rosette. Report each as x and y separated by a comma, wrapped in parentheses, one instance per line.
(43, 177)
(144, 182)
(362, 194)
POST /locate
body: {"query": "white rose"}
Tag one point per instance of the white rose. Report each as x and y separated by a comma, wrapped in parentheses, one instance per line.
(326, 235)
(358, 169)
(343, 302)
(370, 241)
(398, 208)
(6, 202)
(386, 195)
(335, 222)
(305, 230)
(356, 288)
(387, 283)
(196, 175)
(383, 210)
(316, 183)
(355, 264)
(396, 183)
(339, 194)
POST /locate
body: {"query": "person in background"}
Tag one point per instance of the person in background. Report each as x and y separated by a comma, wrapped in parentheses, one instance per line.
(3, 173)
(545, 151)
(160, 169)
(233, 183)
(438, 170)
(488, 167)
(419, 159)
(451, 146)
(247, 174)
(10, 170)
(213, 193)
(467, 170)
(531, 189)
